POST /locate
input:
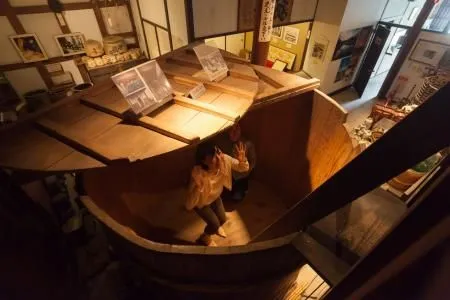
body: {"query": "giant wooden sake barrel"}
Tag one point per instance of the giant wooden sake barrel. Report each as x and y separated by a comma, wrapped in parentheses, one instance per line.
(136, 171)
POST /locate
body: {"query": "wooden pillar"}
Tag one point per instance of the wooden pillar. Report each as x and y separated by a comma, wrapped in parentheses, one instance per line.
(263, 30)
(411, 38)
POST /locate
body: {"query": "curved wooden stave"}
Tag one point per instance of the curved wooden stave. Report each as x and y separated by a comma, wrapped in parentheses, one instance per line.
(192, 264)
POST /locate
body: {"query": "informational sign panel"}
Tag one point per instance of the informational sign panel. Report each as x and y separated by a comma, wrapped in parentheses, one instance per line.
(212, 62)
(266, 24)
(145, 87)
(197, 91)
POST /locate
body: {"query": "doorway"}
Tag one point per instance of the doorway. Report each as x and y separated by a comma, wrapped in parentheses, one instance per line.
(386, 44)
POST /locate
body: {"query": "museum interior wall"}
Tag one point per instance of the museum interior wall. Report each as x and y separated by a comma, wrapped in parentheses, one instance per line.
(155, 30)
(415, 68)
(345, 17)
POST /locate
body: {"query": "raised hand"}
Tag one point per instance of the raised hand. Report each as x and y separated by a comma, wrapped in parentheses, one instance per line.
(240, 149)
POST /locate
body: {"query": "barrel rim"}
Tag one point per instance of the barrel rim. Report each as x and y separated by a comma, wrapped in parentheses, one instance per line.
(134, 238)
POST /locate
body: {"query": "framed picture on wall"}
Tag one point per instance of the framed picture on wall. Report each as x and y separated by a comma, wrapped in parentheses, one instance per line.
(70, 44)
(283, 10)
(319, 49)
(277, 32)
(428, 52)
(291, 35)
(276, 53)
(279, 65)
(28, 47)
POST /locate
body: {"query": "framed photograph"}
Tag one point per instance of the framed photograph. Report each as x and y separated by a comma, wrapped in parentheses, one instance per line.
(128, 82)
(276, 53)
(28, 47)
(212, 62)
(277, 32)
(70, 44)
(279, 65)
(319, 50)
(291, 35)
(145, 87)
(283, 10)
(428, 52)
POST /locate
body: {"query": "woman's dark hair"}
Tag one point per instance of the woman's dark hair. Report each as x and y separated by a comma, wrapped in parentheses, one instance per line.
(203, 151)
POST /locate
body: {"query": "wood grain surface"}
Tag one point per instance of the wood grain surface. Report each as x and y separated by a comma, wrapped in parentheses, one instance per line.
(97, 126)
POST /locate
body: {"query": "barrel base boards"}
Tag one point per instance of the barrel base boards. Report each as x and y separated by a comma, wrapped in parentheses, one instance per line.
(271, 288)
(286, 282)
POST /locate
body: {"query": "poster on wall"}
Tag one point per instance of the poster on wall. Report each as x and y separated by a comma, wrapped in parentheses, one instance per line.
(351, 39)
(266, 24)
(319, 49)
(349, 63)
(28, 47)
(276, 53)
(291, 35)
(277, 32)
(70, 44)
(283, 9)
(345, 69)
(428, 52)
(145, 87)
(247, 15)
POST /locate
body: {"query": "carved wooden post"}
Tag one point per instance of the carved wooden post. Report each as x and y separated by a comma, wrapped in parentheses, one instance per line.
(263, 31)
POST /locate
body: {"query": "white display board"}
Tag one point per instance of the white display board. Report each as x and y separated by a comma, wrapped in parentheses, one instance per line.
(212, 62)
(145, 87)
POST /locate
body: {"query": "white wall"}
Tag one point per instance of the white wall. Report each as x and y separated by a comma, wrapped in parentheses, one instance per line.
(358, 14)
(362, 13)
(413, 71)
(395, 9)
(325, 27)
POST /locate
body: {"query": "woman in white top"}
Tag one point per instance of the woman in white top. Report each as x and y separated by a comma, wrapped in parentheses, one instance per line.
(213, 172)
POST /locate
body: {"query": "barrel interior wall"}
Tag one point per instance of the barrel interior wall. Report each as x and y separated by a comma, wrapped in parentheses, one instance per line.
(280, 133)
(296, 141)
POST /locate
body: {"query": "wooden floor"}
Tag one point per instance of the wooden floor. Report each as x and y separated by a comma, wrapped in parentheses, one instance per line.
(163, 218)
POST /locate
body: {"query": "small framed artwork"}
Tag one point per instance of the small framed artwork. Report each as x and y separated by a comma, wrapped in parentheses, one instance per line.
(28, 47)
(277, 32)
(428, 52)
(279, 65)
(276, 53)
(319, 49)
(70, 44)
(291, 35)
